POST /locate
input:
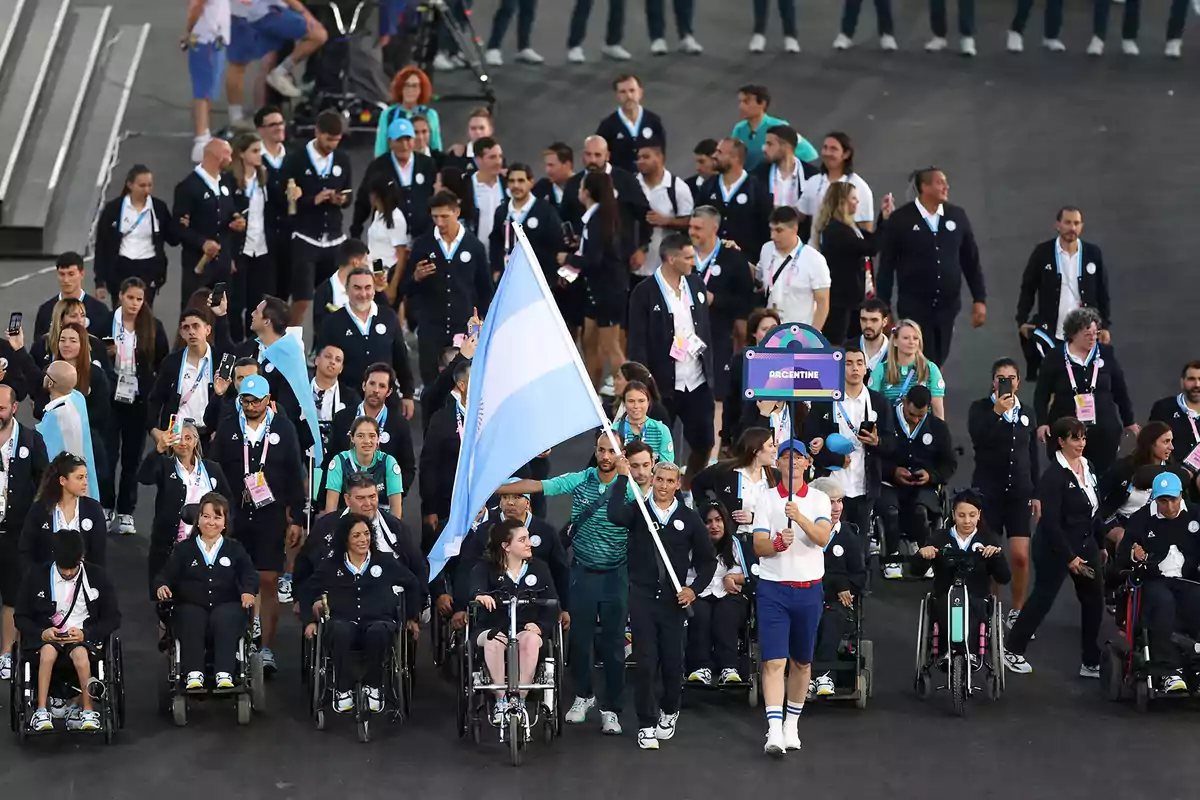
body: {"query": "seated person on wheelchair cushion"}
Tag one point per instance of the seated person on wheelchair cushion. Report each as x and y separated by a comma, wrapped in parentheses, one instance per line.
(362, 591)
(845, 578)
(66, 608)
(720, 610)
(1162, 545)
(212, 582)
(508, 567)
(968, 550)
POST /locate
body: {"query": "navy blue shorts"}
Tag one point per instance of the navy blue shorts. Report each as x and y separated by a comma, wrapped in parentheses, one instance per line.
(251, 41)
(788, 618)
(206, 66)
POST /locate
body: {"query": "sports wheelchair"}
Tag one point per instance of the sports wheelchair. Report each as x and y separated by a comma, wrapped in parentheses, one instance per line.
(249, 684)
(972, 645)
(856, 657)
(322, 677)
(477, 686)
(1125, 664)
(107, 688)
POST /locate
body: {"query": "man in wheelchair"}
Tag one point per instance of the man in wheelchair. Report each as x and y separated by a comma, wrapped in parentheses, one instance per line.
(845, 578)
(359, 591)
(970, 551)
(1162, 548)
(66, 609)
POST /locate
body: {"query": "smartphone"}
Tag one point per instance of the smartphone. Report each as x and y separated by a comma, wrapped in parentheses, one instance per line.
(108, 340)
(175, 425)
(867, 427)
(14, 323)
(568, 231)
(225, 371)
(1004, 387)
(473, 329)
(346, 191)
(218, 294)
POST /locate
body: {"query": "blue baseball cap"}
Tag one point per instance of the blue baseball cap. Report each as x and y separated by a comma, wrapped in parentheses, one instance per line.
(401, 129)
(1166, 484)
(793, 444)
(516, 480)
(837, 443)
(256, 386)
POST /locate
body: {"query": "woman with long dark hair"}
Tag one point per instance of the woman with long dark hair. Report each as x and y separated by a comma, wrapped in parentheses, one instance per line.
(139, 345)
(760, 322)
(62, 502)
(387, 235)
(253, 276)
(1121, 493)
(738, 483)
(837, 166)
(721, 608)
(605, 277)
(131, 237)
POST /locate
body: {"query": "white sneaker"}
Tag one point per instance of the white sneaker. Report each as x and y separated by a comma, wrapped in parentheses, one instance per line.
(1054, 45)
(1089, 671)
(1011, 617)
(812, 688)
(608, 389)
(6, 666)
(575, 55)
(609, 724)
(110, 518)
(1174, 48)
(1129, 47)
(125, 525)
(888, 42)
(1095, 47)
(659, 47)
(758, 42)
(530, 56)
(1016, 42)
(893, 572)
(875, 548)
(646, 739)
(775, 745)
(1173, 683)
(374, 699)
(824, 685)
(791, 44)
(443, 63)
(729, 675)
(499, 710)
(256, 631)
(666, 725)
(1017, 663)
(702, 675)
(41, 721)
(690, 46)
(283, 588)
(579, 709)
(343, 702)
(195, 680)
(843, 42)
(615, 52)
(279, 80)
(224, 680)
(966, 46)
(791, 739)
(936, 45)
(493, 58)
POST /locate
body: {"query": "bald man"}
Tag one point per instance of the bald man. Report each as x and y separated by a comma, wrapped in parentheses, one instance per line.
(635, 231)
(206, 219)
(60, 382)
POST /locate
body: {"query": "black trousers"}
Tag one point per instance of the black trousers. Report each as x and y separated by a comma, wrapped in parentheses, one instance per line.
(857, 511)
(107, 484)
(656, 625)
(712, 632)
(836, 622)
(906, 513)
(195, 626)
(256, 279)
(694, 410)
(372, 638)
(152, 271)
(937, 329)
(1050, 570)
(431, 341)
(126, 440)
(1168, 606)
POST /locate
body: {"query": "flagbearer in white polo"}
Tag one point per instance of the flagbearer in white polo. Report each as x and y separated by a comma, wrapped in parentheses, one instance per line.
(789, 535)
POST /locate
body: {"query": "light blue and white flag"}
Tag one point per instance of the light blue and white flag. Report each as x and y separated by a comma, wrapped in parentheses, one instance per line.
(287, 354)
(528, 392)
(65, 428)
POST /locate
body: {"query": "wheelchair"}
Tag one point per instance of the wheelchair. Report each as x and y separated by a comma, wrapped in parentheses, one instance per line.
(749, 657)
(476, 685)
(249, 684)
(106, 688)
(913, 568)
(1125, 664)
(968, 651)
(856, 657)
(322, 677)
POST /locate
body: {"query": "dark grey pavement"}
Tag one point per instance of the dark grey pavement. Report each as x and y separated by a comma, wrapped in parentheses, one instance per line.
(1018, 136)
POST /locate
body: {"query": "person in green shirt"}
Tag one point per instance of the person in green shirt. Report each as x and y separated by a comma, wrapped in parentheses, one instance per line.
(906, 366)
(365, 456)
(753, 102)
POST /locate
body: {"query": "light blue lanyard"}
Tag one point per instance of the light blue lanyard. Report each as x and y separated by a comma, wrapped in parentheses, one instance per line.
(518, 217)
(449, 254)
(125, 204)
(1014, 414)
(252, 189)
(11, 447)
(363, 327)
(841, 410)
(934, 221)
(702, 265)
(663, 517)
(832, 533)
(520, 575)
(312, 159)
(60, 522)
(200, 373)
(636, 128)
(208, 560)
(1078, 258)
(728, 195)
(381, 419)
(684, 290)
(362, 570)
(904, 424)
(964, 546)
(405, 181)
(201, 475)
(208, 181)
(908, 382)
(275, 163)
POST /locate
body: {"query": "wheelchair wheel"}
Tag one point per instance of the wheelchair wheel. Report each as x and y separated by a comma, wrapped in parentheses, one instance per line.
(1112, 673)
(118, 680)
(364, 730)
(319, 719)
(243, 709)
(1142, 694)
(753, 692)
(179, 710)
(867, 676)
(258, 683)
(922, 640)
(516, 734)
(959, 676)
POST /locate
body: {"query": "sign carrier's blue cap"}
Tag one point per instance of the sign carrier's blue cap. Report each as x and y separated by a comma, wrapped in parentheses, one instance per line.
(1166, 484)
(793, 444)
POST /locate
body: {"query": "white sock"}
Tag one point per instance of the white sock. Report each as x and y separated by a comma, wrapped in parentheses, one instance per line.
(236, 113)
(774, 720)
(288, 64)
(792, 720)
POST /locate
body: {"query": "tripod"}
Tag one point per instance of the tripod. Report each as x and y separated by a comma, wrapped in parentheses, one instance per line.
(431, 16)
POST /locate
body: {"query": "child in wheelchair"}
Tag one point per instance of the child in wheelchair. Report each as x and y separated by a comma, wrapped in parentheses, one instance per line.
(1161, 552)
(845, 578)
(508, 567)
(970, 552)
(66, 611)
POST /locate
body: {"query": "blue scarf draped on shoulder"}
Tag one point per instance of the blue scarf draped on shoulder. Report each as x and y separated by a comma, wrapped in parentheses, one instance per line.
(287, 354)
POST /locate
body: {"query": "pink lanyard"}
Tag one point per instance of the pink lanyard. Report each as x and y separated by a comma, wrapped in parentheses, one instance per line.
(1095, 355)
(266, 440)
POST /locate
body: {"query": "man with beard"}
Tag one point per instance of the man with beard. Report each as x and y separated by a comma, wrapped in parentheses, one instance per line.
(395, 436)
(875, 320)
(413, 173)
(742, 199)
(538, 217)
(1182, 412)
(634, 230)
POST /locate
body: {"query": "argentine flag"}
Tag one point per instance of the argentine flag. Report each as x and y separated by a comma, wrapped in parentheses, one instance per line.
(528, 392)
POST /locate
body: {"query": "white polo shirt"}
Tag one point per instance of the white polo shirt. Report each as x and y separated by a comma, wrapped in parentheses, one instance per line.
(804, 271)
(813, 192)
(214, 23)
(659, 200)
(487, 200)
(804, 560)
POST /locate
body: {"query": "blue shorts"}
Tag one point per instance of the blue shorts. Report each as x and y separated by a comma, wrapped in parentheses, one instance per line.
(206, 65)
(788, 618)
(251, 41)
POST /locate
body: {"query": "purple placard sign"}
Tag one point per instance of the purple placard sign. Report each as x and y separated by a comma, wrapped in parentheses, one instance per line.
(795, 364)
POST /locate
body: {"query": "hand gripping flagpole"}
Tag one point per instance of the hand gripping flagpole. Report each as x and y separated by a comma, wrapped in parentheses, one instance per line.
(616, 445)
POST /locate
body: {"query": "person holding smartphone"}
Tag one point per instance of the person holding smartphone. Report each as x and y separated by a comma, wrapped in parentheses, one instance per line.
(1005, 444)
(739, 483)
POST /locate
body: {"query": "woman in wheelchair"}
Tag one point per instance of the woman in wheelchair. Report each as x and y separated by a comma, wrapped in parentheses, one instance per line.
(1162, 548)
(359, 590)
(61, 503)
(365, 456)
(508, 567)
(69, 608)
(966, 550)
(720, 610)
(212, 582)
